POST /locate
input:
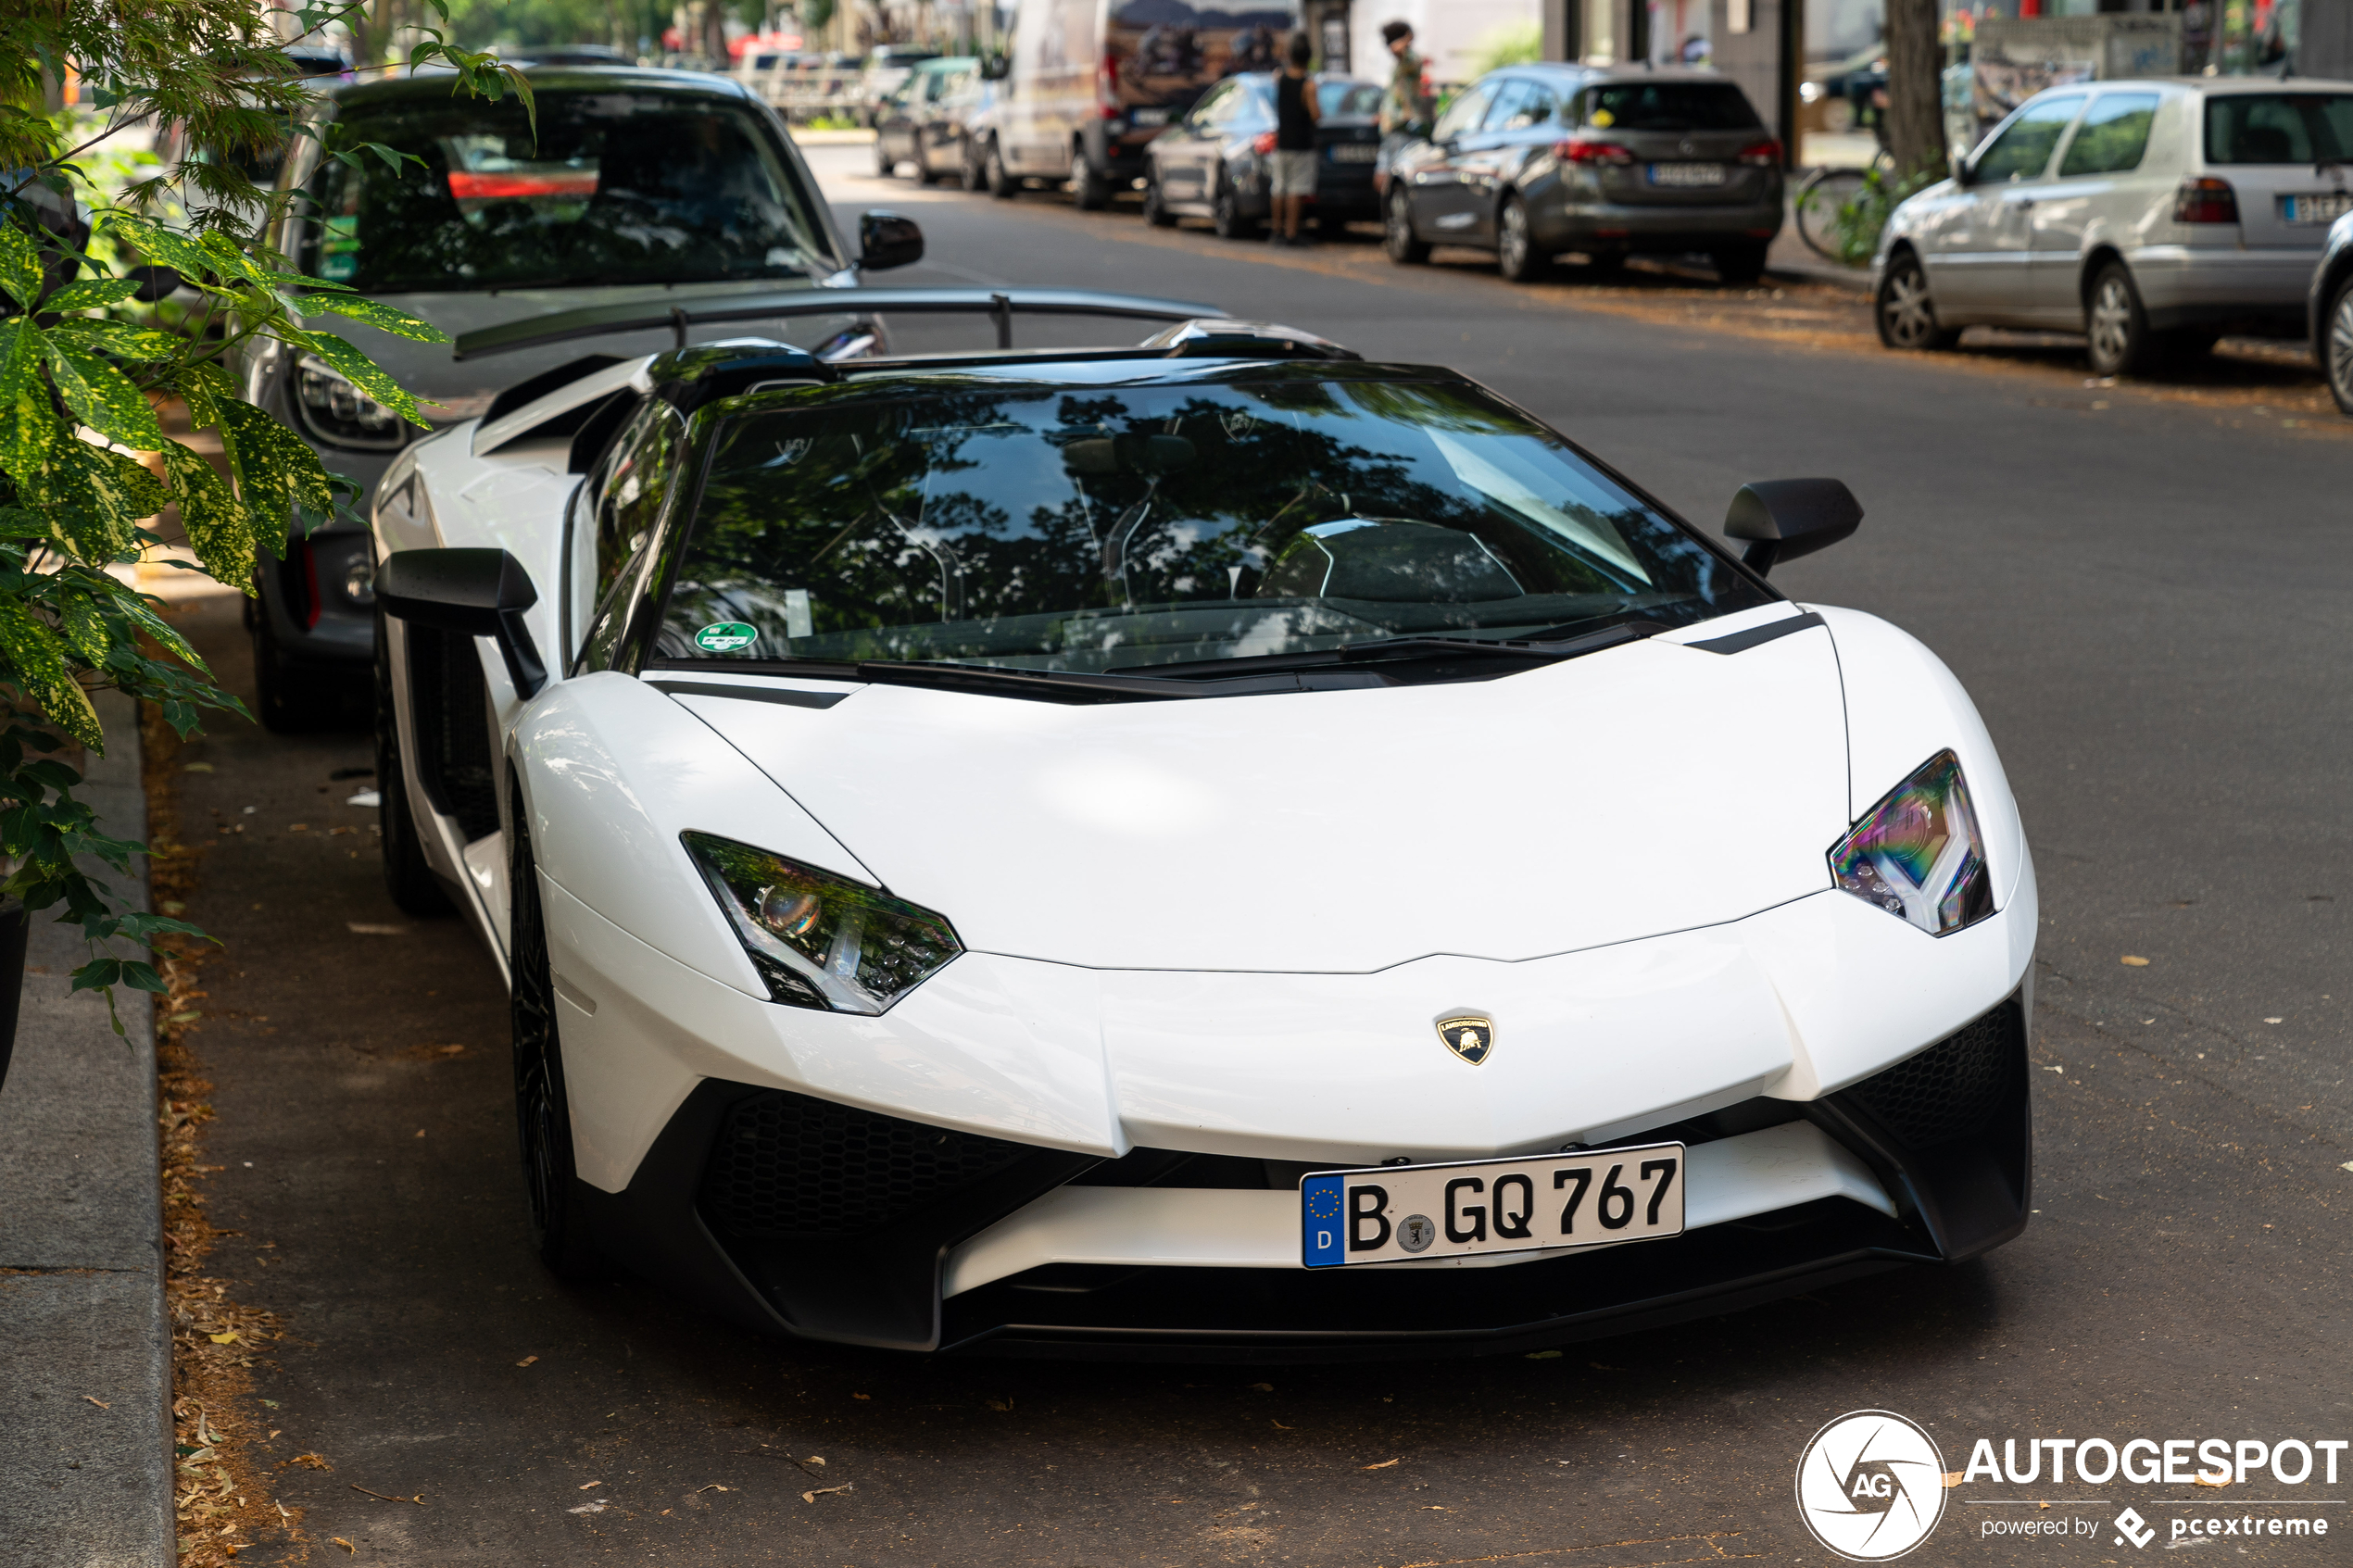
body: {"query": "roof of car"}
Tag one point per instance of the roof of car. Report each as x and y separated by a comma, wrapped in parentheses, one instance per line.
(380, 89)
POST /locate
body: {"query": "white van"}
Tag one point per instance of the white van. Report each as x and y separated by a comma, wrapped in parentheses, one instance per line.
(1089, 83)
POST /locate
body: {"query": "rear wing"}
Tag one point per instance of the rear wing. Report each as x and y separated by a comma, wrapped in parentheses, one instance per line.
(999, 305)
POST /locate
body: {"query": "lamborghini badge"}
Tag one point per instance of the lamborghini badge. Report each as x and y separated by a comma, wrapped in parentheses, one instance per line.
(1469, 1037)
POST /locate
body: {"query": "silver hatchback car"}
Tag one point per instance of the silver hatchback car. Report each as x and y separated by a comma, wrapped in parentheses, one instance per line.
(2150, 216)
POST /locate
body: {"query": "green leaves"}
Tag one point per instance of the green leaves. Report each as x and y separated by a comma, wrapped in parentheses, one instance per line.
(96, 498)
(277, 471)
(361, 370)
(100, 396)
(376, 314)
(91, 293)
(35, 660)
(20, 266)
(26, 424)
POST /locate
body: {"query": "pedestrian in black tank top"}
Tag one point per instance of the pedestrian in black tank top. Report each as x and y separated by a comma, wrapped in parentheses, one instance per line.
(1293, 171)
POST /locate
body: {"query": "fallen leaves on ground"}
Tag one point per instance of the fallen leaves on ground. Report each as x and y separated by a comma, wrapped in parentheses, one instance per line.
(527, 1360)
(2133, 961)
(1382, 1465)
(97, 1402)
(822, 1491)
(307, 1461)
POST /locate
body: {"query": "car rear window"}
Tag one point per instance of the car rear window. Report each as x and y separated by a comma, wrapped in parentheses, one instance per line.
(1348, 98)
(2278, 127)
(1669, 106)
(610, 188)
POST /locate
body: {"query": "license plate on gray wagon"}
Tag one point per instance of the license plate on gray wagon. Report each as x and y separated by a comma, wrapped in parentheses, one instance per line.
(1394, 1213)
(2312, 212)
(1687, 174)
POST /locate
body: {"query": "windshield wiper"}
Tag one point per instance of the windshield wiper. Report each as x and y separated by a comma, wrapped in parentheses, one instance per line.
(1554, 643)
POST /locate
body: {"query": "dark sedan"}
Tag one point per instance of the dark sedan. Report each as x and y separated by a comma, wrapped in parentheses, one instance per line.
(924, 121)
(1214, 163)
(1533, 161)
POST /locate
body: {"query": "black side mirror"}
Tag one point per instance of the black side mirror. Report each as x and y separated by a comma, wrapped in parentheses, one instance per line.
(1964, 171)
(995, 67)
(1783, 519)
(477, 593)
(887, 240)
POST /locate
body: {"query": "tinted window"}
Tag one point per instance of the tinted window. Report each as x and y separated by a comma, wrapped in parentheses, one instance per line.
(616, 188)
(1670, 106)
(2113, 135)
(1109, 529)
(2278, 127)
(630, 486)
(2023, 149)
(1348, 98)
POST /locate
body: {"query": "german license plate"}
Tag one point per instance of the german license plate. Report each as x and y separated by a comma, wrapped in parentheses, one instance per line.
(1687, 174)
(2314, 211)
(1356, 152)
(1394, 1213)
(1148, 116)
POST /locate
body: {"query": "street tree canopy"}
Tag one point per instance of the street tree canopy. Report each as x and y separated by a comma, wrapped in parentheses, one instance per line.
(84, 368)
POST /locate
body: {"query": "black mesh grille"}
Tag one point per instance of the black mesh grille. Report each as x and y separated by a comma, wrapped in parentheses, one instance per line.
(786, 1164)
(1954, 1088)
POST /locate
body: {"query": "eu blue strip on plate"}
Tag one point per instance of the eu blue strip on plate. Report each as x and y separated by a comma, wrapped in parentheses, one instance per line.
(1320, 1199)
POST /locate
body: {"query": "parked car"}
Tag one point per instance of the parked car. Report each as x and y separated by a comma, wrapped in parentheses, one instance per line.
(1090, 84)
(2150, 216)
(886, 70)
(1532, 162)
(1213, 163)
(2331, 311)
(839, 790)
(631, 182)
(924, 122)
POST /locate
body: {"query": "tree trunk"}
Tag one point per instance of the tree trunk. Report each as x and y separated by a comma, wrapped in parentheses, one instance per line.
(1915, 88)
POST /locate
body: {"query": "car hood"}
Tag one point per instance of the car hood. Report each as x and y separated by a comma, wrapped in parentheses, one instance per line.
(463, 389)
(1651, 788)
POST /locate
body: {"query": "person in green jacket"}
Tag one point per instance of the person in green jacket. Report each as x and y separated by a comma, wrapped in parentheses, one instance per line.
(1404, 108)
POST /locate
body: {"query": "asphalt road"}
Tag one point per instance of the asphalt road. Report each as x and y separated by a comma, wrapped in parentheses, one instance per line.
(2147, 598)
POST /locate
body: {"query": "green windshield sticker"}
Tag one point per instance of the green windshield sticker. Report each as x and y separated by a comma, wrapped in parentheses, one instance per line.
(726, 636)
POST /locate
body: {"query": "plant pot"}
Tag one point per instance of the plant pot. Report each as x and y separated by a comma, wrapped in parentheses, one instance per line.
(15, 926)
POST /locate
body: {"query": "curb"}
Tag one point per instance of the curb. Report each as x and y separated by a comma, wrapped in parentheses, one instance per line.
(85, 1342)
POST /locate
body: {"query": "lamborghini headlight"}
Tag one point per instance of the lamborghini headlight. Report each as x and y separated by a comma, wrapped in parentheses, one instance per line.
(1917, 853)
(820, 940)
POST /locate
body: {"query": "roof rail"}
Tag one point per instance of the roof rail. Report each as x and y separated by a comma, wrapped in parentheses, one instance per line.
(999, 305)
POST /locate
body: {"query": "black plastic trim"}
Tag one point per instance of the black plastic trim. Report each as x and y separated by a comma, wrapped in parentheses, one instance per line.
(781, 695)
(1756, 637)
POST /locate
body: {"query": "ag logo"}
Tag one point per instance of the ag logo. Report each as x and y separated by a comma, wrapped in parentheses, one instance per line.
(1469, 1037)
(1871, 1486)
(726, 636)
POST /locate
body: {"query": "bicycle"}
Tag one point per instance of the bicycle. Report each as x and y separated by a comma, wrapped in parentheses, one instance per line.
(1826, 200)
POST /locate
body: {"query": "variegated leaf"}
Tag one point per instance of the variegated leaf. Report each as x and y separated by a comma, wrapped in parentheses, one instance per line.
(276, 469)
(89, 294)
(162, 246)
(362, 373)
(134, 604)
(375, 313)
(83, 629)
(26, 424)
(96, 498)
(218, 527)
(19, 265)
(117, 338)
(36, 663)
(102, 395)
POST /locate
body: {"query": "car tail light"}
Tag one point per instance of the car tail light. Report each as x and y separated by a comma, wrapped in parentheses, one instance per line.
(1263, 144)
(1764, 155)
(1107, 85)
(2205, 201)
(1574, 151)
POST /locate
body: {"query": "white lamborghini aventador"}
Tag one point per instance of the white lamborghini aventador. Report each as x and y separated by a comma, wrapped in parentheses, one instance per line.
(1216, 849)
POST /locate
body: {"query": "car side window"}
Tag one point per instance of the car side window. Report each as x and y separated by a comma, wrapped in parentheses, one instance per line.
(2114, 135)
(1464, 114)
(631, 487)
(1519, 105)
(1220, 106)
(2023, 149)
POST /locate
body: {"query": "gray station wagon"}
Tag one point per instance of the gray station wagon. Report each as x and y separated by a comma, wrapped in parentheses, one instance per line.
(2150, 216)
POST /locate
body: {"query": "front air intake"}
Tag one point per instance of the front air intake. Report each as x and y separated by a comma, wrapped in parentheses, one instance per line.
(1955, 1088)
(787, 1165)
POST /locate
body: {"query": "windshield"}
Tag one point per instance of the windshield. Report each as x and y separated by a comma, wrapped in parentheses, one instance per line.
(1112, 530)
(617, 188)
(1670, 106)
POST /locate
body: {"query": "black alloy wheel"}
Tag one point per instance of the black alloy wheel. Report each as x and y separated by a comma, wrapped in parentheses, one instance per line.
(1397, 228)
(1089, 191)
(543, 1112)
(2116, 330)
(1516, 255)
(1740, 265)
(996, 176)
(2336, 345)
(1225, 210)
(408, 877)
(1905, 312)
(1156, 211)
(885, 166)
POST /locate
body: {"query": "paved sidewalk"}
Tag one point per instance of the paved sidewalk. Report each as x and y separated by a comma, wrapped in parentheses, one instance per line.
(85, 1349)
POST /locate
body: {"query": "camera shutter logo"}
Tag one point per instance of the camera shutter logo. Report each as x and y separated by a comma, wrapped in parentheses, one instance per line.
(1871, 1486)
